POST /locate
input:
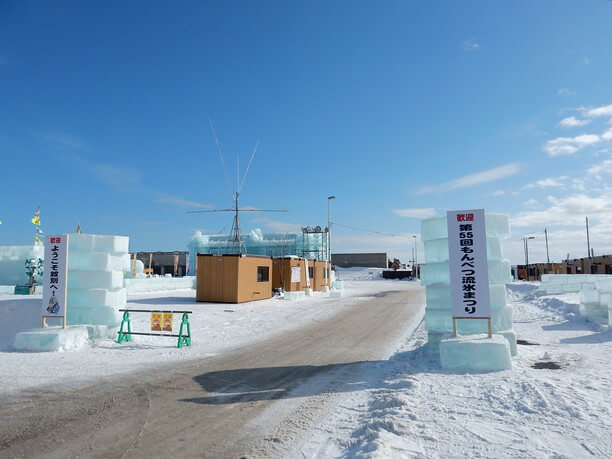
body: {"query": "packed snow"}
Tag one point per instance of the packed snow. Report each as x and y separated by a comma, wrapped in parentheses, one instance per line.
(555, 402)
(215, 328)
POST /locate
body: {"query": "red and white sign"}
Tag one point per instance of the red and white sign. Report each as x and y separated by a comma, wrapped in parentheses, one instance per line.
(467, 256)
(55, 276)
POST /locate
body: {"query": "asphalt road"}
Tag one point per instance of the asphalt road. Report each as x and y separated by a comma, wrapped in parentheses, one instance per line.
(222, 406)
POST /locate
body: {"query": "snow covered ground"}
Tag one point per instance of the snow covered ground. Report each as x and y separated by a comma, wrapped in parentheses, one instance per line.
(555, 402)
(215, 328)
(414, 408)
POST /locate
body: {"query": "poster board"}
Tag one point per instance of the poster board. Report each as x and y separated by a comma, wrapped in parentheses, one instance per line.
(296, 273)
(55, 277)
(467, 256)
(167, 321)
(156, 321)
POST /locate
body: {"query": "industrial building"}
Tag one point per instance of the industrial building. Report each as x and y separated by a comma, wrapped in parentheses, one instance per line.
(163, 262)
(363, 260)
(595, 265)
(310, 243)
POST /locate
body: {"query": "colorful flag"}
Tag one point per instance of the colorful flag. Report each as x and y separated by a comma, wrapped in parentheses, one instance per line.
(78, 230)
(36, 239)
(36, 218)
(39, 231)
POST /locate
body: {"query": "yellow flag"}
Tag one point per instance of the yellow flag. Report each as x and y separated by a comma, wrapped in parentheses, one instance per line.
(36, 239)
(36, 220)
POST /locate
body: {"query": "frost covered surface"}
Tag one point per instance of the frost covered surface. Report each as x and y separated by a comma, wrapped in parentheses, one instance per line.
(415, 408)
(215, 328)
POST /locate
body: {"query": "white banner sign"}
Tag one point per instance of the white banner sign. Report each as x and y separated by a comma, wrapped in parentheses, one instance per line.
(469, 272)
(55, 276)
(307, 273)
(296, 273)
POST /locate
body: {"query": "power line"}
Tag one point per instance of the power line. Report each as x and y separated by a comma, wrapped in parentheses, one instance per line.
(364, 230)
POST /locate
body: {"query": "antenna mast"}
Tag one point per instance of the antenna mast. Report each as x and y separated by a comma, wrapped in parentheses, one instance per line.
(235, 239)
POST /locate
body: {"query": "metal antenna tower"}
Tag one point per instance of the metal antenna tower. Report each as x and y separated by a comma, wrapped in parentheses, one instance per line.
(235, 240)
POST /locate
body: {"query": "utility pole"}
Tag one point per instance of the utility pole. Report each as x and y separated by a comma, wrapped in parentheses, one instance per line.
(416, 263)
(546, 237)
(329, 199)
(525, 241)
(588, 241)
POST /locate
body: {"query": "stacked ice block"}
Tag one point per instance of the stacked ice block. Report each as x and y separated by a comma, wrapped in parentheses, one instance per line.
(158, 284)
(95, 295)
(12, 263)
(435, 276)
(556, 284)
(95, 278)
(596, 303)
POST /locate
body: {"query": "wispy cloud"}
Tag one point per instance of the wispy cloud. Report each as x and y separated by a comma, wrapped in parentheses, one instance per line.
(470, 45)
(276, 225)
(148, 223)
(424, 212)
(62, 140)
(585, 60)
(565, 92)
(568, 211)
(572, 121)
(548, 182)
(569, 145)
(182, 202)
(601, 169)
(596, 112)
(490, 175)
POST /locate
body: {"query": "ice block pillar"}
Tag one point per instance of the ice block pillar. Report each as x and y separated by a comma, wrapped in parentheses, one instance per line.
(96, 265)
(435, 276)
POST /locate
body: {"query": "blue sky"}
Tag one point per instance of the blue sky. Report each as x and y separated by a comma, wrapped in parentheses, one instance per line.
(402, 110)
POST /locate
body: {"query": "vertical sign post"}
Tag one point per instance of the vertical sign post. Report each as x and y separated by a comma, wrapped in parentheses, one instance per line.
(55, 278)
(176, 263)
(134, 265)
(469, 273)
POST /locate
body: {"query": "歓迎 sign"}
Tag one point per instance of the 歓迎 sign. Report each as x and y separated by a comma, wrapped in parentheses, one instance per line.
(55, 277)
(467, 256)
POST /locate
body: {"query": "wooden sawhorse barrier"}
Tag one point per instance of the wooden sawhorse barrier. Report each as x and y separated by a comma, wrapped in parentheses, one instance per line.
(184, 334)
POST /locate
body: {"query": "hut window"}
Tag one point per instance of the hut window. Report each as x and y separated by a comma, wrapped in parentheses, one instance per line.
(263, 273)
(311, 272)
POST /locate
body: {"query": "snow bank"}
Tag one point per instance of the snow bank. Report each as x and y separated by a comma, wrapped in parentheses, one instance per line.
(415, 408)
(159, 284)
(18, 313)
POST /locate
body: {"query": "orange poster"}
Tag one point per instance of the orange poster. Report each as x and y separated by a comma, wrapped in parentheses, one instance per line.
(156, 321)
(167, 321)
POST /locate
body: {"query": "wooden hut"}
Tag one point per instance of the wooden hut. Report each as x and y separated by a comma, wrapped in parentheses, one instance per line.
(320, 277)
(233, 278)
(289, 273)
